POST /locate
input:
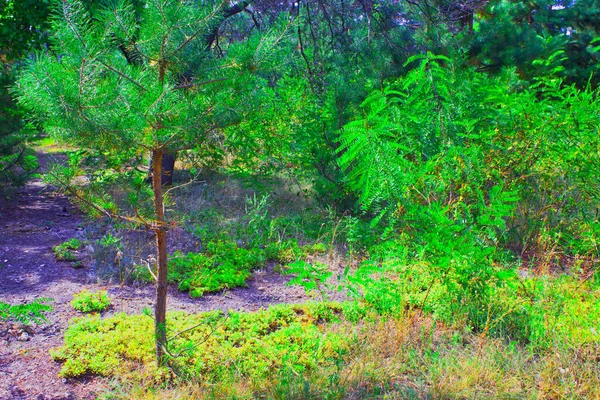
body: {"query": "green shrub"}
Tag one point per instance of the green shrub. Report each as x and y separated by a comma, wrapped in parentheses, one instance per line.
(86, 301)
(224, 265)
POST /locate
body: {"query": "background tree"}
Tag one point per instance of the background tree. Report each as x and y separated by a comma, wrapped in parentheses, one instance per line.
(516, 33)
(126, 83)
(22, 28)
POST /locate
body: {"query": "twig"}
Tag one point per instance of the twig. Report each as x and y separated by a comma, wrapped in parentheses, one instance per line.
(165, 348)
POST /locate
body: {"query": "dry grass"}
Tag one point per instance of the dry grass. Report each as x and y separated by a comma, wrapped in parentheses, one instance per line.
(416, 358)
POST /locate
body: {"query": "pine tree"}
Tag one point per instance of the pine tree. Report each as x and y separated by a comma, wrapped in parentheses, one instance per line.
(516, 33)
(129, 83)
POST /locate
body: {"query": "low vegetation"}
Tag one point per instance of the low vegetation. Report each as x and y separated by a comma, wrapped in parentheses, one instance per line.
(32, 312)
(393, 156)
(86, 301)
(65, 251)
(537, 338)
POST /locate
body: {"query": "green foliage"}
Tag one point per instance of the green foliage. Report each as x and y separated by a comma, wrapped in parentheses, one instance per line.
(311, 276)
(104, 61)
(251, 345)
(64, 251)
(23, 26)
(429, 160)
(515, 33)
(17, 159)
(225, 265)
(32, 312)
(539, 312)
(86, 301)
(546, 323)
(452, 185)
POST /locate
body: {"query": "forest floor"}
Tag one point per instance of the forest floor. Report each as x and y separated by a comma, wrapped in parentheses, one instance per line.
(33, 219)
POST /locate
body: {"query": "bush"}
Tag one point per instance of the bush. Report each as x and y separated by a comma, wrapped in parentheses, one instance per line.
(225, 265)
(222, 266)
(86, 301)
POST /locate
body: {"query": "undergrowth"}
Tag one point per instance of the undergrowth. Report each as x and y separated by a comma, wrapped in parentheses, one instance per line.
(457, 200)
(64, 251)
(224, 265)
(32, 312)
(211, 345)
(86, 301)
(538, 337)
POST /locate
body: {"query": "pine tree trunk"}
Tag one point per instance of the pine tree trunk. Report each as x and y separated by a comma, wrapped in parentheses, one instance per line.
(160, 306)
(168, 167)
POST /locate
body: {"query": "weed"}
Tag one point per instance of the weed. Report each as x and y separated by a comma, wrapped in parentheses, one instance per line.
(64, 251)
(225, 265)
(222, 266)
(311, 276)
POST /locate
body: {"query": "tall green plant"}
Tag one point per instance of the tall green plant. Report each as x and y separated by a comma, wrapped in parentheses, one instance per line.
(459, 160)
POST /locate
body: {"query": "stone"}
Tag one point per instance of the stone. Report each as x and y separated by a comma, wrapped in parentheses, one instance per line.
(24, 337)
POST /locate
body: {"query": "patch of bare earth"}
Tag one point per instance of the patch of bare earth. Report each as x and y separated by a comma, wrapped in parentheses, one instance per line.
(33, 220)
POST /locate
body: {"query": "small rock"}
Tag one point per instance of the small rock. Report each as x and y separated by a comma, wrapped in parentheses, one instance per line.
(29, 329)
(24, 337)
(261, 288)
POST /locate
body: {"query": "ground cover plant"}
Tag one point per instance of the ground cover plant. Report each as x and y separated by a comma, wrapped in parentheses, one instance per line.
(540, 340)
(86, 301)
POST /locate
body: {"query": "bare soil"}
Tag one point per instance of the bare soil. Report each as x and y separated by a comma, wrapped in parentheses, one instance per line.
(33, 219)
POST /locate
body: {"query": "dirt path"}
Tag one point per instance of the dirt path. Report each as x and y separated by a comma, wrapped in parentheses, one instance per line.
(32, 221)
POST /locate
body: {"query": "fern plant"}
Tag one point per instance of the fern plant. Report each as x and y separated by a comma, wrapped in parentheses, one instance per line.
(34, 311)
(407, 130)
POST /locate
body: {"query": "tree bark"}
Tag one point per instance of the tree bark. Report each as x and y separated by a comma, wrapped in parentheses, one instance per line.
(167, 168)
(226, 13)
(160, 305)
